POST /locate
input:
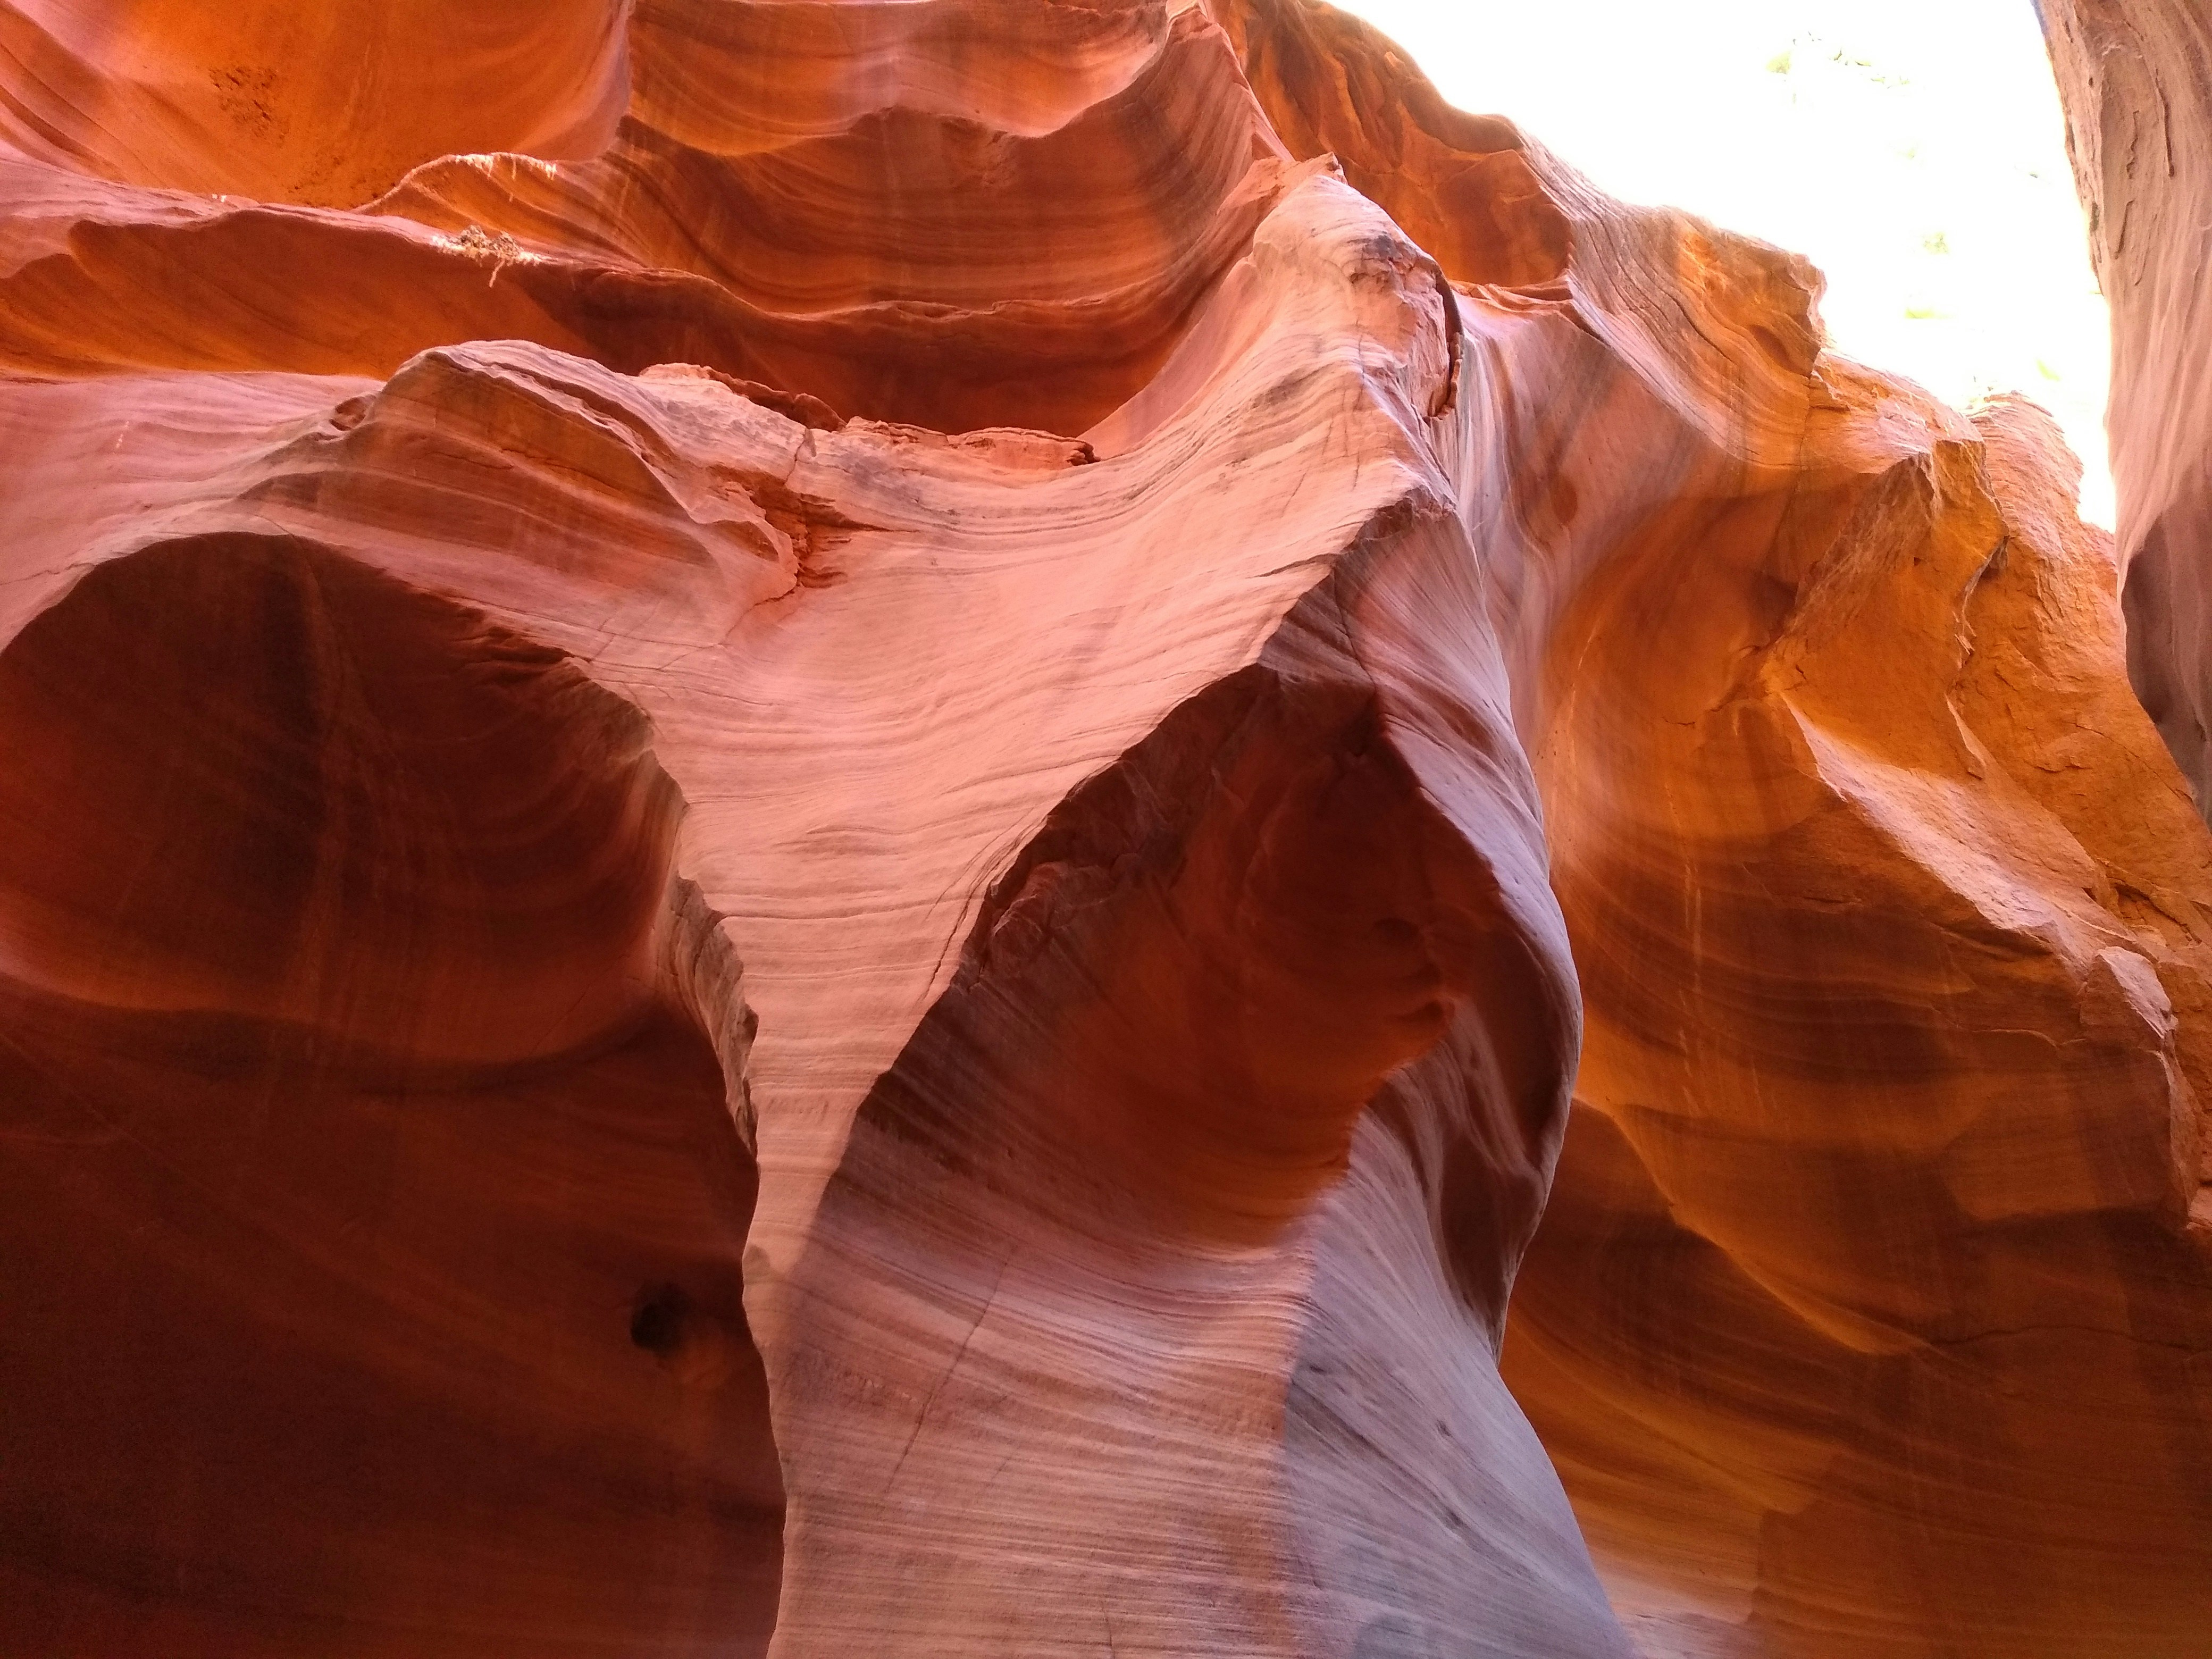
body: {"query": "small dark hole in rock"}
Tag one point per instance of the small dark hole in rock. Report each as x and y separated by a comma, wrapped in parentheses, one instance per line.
(656, 1323)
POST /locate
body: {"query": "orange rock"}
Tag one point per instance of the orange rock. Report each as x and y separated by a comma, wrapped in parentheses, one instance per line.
(326, 105)
(449, 768)
(1872, 1309)
(802, 871)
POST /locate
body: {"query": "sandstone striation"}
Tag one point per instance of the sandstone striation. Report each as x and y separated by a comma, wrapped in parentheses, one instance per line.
(812, 813)
(2135, 77)
(1870, 1311)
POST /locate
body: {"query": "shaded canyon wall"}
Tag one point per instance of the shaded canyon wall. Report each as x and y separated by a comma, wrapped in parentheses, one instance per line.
(823, 825)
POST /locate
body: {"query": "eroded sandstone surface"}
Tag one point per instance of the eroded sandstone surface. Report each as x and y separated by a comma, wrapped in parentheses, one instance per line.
(2135, 77)
(821, 824)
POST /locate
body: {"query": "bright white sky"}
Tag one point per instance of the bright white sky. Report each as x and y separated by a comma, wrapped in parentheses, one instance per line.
(1914, 148)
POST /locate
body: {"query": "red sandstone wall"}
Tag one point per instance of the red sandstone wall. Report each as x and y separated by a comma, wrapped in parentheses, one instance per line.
(822, 867)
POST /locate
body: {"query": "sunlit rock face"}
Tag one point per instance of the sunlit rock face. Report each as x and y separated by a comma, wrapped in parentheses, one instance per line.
(1871, 1311)
(815, 861)
(2135, 78)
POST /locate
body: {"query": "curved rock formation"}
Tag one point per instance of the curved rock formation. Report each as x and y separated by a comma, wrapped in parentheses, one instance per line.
(325, 106)
(804, 872)
(1095, 874)
(1873, 1306)
(376, 1235)
(2135, 78)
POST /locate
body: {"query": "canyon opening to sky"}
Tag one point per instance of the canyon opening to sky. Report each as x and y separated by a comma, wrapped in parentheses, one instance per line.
(1916, 152)
(1001, 830)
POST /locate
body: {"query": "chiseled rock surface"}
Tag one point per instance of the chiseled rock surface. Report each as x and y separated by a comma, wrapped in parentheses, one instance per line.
(797, 866)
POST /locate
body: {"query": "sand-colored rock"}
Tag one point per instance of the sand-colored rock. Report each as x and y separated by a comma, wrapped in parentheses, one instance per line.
(804, 872)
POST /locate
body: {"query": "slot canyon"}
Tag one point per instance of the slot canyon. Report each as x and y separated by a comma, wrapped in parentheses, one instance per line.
(1016, 827)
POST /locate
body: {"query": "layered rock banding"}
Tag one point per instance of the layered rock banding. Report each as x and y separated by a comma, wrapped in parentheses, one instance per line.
(818, 868)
